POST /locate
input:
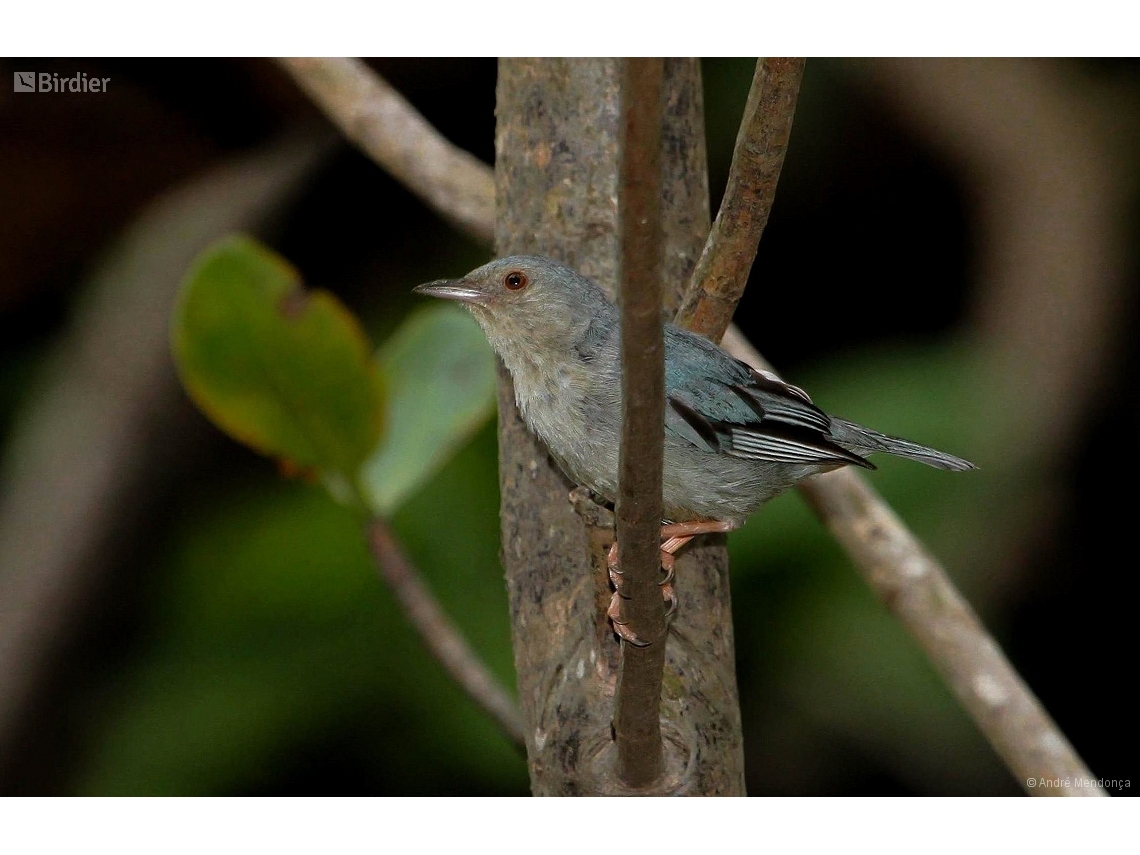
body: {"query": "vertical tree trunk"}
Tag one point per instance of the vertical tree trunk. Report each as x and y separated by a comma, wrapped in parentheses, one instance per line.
(556, 176)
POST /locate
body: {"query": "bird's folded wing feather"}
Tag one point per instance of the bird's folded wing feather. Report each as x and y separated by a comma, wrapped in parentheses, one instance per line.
(723, 406)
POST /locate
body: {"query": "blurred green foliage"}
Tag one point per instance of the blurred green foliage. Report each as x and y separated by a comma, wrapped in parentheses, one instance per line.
(289, 373)
(441, 388)
(272, 627)
(285, 371)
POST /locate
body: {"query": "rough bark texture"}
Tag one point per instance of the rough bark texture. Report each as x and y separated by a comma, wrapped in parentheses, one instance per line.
(556, 182)
(637, 719)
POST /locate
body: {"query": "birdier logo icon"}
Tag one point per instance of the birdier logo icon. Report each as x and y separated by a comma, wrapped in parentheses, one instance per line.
(31, 81)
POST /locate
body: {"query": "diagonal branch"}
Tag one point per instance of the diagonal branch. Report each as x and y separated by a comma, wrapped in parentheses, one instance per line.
(637, 719)
(722, 271)
(889, 555)
(915, 588)
(440, 635)
(389, 130)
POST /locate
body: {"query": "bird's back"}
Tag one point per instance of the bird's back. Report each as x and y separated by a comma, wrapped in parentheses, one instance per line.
(734, 437)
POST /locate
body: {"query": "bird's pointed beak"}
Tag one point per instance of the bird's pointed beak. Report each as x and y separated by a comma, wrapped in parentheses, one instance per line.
(451, 289)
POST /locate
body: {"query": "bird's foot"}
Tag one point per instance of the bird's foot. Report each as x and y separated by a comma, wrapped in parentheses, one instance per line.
(673, 536)
(620, 626)
(614, 612)
(686, 531)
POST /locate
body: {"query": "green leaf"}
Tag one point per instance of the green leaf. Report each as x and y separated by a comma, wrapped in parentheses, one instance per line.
(440, 377)
(284, 370)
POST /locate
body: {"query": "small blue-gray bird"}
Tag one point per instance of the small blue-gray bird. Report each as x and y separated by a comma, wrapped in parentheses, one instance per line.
(734, 436)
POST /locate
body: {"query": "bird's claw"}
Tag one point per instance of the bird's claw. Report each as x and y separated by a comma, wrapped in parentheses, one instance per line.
(668, 564)
(620, 626)
(614, 611)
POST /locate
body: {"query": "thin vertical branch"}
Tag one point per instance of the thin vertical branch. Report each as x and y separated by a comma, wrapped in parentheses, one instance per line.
(637, 719)
(560, 206)
(556, 170)
(722, 271)
(440, 635)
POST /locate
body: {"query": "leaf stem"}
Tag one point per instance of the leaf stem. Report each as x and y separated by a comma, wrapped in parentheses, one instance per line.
(442, 637)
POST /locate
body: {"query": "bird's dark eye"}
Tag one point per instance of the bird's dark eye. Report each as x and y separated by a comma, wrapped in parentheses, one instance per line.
(515, 280)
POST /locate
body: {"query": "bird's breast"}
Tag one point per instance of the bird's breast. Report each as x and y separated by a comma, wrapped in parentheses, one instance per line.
(560, 403)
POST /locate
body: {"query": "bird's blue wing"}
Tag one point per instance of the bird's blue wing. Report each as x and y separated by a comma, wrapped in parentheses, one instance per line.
(723, 406)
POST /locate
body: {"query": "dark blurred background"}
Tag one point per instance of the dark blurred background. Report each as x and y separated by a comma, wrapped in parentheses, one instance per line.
(951, 257)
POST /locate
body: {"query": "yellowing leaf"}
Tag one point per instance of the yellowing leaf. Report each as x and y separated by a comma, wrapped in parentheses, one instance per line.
(284, 370)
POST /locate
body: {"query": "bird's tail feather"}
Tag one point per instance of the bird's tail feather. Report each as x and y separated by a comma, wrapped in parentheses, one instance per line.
(863, 440)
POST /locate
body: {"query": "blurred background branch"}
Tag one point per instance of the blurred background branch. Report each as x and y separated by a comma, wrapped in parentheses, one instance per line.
(1054, 190)
(377, 118)
(79, 455)
(441, 636)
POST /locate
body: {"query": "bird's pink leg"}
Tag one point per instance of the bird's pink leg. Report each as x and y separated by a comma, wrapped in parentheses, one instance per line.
(673, 536)
(676, 535)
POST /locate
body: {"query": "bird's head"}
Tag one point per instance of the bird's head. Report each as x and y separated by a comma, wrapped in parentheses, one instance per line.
(526, 303)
